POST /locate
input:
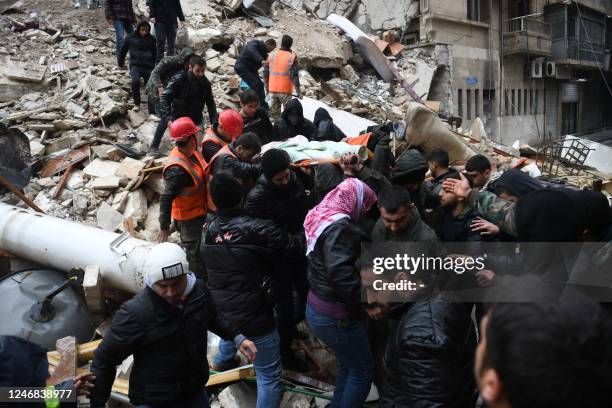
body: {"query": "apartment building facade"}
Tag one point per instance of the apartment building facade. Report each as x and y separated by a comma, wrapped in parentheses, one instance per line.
(532, 70)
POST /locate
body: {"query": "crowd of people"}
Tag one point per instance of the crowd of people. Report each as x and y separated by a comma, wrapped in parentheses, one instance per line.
(270, 244)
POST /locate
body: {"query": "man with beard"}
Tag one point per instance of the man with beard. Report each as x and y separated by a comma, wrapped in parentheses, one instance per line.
(293, 123)
(185, 95)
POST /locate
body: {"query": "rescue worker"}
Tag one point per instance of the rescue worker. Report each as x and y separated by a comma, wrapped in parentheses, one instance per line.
(225, 130)
(281, 76)
(236, 159)
(165, 328)
(184, 194)
(248, 63)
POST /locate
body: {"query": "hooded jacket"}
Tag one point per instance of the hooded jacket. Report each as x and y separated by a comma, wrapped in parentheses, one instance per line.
(326, 128)
(252, 56)
(517, 183)
(286, 130)
(412, 166)
(142, 49)
(186, 96)
(428, 362)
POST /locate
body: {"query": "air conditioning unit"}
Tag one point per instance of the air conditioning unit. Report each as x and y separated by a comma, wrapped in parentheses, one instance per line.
(550, 69)
(534, 69)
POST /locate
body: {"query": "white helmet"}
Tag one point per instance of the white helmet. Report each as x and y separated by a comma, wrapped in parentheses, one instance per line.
(165, 261)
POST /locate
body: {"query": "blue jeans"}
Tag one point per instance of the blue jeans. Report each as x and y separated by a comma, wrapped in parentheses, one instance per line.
(267, 366)
(196, 401)
(349, 342)
(122, 28)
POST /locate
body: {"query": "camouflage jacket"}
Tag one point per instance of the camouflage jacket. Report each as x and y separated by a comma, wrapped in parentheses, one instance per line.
(162, 73)
(492, 208)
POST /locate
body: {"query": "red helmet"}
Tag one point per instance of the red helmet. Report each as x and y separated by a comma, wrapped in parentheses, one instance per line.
(182, 128)
(232, 123)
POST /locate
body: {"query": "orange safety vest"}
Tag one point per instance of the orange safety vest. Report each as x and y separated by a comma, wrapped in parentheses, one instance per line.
(208, 171)
(211, 136)
(191, 202)
(280, 64)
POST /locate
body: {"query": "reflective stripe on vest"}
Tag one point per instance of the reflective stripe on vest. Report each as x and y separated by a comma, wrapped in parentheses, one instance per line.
(191, 202)
(209, 168)
(211, 136)
(280, 64)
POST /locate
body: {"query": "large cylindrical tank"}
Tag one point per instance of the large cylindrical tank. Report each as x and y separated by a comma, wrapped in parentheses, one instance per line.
(19, 291)
(63, 245)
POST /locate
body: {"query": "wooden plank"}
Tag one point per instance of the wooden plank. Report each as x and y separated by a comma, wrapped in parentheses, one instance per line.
(58, 188)
(57, 164)
(66, 367)
(19, 194)
(85, 353)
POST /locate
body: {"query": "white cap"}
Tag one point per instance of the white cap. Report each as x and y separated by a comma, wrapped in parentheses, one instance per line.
(165, 261)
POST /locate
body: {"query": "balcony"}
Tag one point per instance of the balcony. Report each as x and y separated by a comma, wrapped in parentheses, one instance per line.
(576, 52)
(527, 35)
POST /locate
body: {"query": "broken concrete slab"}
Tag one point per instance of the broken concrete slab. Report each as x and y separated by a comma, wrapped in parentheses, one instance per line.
(69, 124)
(367, 47)
(108, 218)
(151, 222)
(155, 181)
(75, 108)
(136, 118)
(101, 168)
(238, 395)
(102, 150)
(15, 72)
(76, 180)
(105, 183)
(102, 84)
(80, 203)
(136, 206)
(213, 64)
(348, 73)
(61, 143)
(129, 168)
(36, 148)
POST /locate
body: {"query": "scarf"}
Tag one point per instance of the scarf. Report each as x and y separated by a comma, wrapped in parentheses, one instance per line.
(350, 199)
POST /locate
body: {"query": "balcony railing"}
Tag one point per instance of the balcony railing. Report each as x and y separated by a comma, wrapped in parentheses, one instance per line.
(527, 24)
(565, 48)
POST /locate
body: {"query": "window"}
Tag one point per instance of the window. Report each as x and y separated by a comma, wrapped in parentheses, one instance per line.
(469, 103)
(488, 103)
(478, 10)
(460, 102)
(518, 103)
(513, 103)
(537, 102)
(525, 103)
(477, 103)
(531, 104)
(506, 103)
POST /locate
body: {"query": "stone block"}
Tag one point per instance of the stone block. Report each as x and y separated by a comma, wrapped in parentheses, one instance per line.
(129, 168)
(61, 143)
(101, 168)
(136, 206)
(108, 218)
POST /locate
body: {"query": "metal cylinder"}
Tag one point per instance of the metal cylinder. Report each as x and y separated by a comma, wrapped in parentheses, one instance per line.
(63, 245)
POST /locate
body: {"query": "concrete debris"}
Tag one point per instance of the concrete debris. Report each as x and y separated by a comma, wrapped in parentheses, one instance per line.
(101, 168)
(238, 395)
(129, 168)
(104, 183)
(136, 206)
(108, 218)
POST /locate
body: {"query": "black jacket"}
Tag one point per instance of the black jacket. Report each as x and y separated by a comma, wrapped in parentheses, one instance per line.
(239, 252)
(326, 129)
(168, 344)
(285, 130)
(287, 206)
(260, 124)
(119, 10)
(229, 164)
(186, 95)
(252, 56)
(333, 273)
(166, 11)
(428, 361)
(164, 71)
(142, 49)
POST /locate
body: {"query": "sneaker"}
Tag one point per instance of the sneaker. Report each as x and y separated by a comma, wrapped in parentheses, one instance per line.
(154, 118)
(154, 153)
(136, 108)
(77, 5)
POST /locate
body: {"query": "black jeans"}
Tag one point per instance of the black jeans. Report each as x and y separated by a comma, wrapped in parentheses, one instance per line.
(135, 74)
(291, 302)
(165, 33)
(191, 237)
(254, 82)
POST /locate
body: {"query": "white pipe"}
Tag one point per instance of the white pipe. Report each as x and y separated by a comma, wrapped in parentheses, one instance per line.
(64, 245)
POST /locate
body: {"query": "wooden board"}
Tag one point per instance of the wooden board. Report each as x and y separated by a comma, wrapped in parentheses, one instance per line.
(58, 164)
